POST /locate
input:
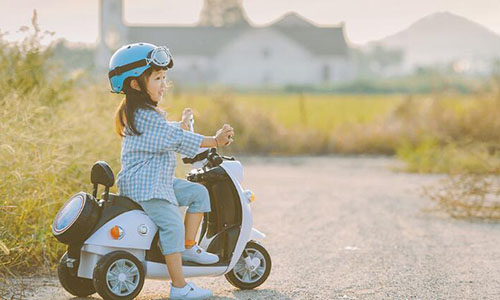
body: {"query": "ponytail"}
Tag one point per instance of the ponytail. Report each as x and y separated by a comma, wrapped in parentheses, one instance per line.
(120, 118)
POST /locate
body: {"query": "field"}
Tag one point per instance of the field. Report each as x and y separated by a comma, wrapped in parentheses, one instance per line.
(450, 133)
(320, 112)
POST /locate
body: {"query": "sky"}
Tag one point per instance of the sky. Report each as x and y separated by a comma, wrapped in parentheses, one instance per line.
(364, 20)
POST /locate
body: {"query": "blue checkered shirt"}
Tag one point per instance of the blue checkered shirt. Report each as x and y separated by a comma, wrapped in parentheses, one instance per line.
(148, 160)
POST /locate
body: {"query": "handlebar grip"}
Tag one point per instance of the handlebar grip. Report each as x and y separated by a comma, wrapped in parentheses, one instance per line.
(199, 157)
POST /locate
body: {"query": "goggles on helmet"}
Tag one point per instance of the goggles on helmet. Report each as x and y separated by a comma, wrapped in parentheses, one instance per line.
(159, 56)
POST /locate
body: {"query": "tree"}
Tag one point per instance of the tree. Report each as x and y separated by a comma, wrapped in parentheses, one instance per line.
(384, 58)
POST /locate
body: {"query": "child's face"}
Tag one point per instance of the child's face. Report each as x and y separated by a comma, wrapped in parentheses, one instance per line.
(156, 85)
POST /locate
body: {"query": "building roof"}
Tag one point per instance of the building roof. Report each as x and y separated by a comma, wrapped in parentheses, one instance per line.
(319, 41)
(292, 19)
(186, 40)
(207, 41)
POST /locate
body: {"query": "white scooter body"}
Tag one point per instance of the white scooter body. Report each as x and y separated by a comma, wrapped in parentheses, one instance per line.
(139, 230)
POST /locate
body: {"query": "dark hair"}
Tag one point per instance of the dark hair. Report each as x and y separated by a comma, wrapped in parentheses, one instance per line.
(134, 99)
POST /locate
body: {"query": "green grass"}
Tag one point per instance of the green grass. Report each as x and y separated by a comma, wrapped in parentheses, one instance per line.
(296, 111)
(464, 129)
(321, 112)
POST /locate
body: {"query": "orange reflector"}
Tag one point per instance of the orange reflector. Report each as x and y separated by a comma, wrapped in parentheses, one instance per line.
(115, 232)
(252, 197)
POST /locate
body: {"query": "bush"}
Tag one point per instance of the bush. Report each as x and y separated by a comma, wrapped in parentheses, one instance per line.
(450, 137)
(468, 196)
(25, 69)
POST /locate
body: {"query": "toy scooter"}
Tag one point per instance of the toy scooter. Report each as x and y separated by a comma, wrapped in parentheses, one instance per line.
(113, 245)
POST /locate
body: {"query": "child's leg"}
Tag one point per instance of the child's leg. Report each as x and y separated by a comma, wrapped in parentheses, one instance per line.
(174, 266)
(171, 231)
(191, 223)
(197, 198)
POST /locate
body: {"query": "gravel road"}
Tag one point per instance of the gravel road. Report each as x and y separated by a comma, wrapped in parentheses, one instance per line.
(349, 228)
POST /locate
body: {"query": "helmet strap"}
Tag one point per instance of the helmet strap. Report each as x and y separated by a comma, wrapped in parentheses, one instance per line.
(122, 69)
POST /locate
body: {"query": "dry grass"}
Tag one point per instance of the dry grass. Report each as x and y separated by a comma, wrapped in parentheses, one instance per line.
(468, 196)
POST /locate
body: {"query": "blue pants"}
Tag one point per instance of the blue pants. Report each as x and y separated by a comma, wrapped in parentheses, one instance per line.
(168, 218)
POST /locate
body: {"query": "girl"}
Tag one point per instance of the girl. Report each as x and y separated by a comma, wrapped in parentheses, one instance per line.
(149, 143)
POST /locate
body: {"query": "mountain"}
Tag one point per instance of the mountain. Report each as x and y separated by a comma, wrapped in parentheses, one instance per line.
(443, 38)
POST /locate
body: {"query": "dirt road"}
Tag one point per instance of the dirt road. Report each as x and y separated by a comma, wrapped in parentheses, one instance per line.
(350, 228)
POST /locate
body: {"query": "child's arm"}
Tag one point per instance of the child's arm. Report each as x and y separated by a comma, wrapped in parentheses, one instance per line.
(158, 135)
(208, 142)
(179, 124)
(223, 137)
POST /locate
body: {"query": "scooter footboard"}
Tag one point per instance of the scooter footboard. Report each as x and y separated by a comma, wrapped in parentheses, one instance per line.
(159, 271)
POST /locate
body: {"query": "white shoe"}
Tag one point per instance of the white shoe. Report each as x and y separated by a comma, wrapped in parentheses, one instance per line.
(189, 291)
(199, 255)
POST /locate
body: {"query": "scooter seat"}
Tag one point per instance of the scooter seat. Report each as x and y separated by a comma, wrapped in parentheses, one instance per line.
(116, 205)
(124, 202)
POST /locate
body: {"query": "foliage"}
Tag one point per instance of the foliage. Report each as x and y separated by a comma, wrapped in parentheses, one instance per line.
(34, 166)
(451, 136)
(24, 69)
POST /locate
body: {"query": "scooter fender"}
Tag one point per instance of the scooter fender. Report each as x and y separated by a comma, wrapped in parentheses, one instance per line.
(256, 234)
(137, 232)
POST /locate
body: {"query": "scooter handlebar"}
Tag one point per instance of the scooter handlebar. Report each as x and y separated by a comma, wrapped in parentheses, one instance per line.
(199, 157)
(214, 158)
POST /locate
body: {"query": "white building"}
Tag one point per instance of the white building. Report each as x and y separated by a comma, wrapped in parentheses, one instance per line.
(289, 51)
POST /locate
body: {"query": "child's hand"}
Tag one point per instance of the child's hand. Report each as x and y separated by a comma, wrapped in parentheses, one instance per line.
(224, 136)
(187, 114)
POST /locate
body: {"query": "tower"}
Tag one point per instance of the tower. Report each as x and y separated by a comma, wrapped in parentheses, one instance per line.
(112, 31)
(222, 13)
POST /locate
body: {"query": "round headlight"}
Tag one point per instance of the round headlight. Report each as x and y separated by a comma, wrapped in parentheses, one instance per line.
(76, 219)
(68, 214)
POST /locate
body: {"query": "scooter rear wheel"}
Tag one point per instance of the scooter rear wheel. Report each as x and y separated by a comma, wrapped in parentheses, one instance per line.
(118, 275)
(76, 286)
(248, 276)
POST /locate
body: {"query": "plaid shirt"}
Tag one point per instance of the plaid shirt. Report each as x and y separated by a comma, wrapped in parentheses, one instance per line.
(148, 160)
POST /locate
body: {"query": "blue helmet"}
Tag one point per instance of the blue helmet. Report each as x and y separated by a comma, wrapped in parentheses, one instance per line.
(132, 60)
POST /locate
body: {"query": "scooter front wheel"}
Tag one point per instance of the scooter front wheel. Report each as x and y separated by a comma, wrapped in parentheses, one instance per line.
(252, 269)
(118, 275)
